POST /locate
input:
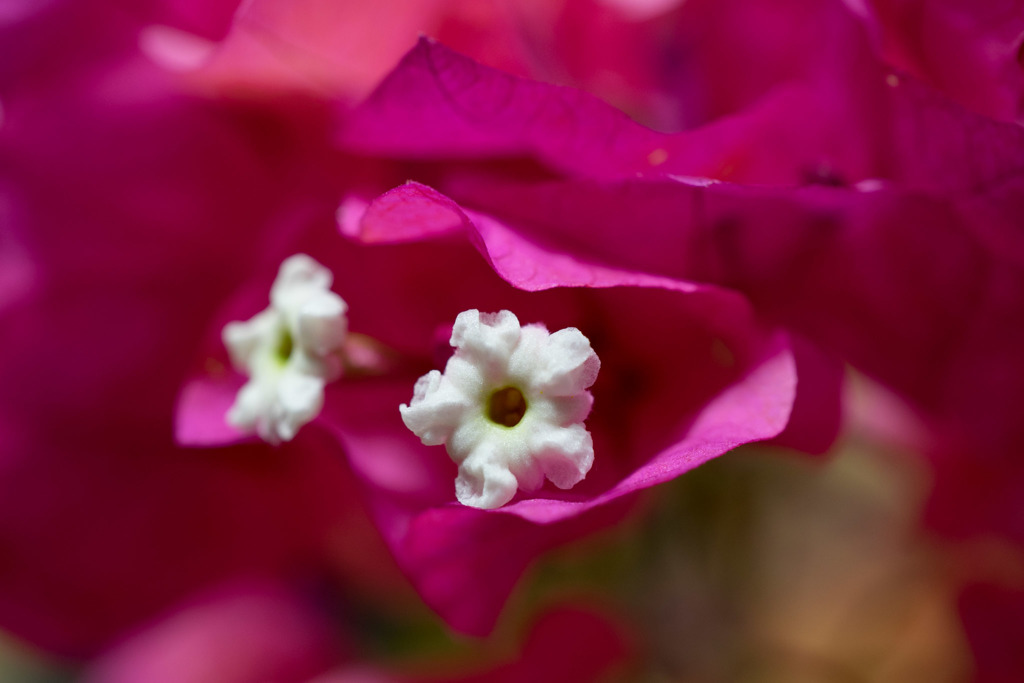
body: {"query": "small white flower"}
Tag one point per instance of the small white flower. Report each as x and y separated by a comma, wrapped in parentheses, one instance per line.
(509, 407)
(288, 351)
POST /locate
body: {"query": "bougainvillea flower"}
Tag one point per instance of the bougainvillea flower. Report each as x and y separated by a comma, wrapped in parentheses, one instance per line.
(888, 232)
(914, 229)
(177, 203)
(687, 374)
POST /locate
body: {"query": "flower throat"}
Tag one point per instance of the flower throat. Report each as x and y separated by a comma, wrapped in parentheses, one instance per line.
(506, 407)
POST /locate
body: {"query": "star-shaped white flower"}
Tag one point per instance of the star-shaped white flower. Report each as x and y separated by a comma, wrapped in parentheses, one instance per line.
(509, 407)
(289, 352)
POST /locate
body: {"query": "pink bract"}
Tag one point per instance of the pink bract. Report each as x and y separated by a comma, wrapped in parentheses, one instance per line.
(688, 374)
(876, 251)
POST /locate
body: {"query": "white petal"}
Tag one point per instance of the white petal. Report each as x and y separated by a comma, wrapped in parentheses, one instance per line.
(483, 483)
(565, 410)
(565, 454)
(436, 409)
(299, 399)
(486, 339)
(567, 365)
(244, 340)
(466, 377)
(298, 277)
(250, 405)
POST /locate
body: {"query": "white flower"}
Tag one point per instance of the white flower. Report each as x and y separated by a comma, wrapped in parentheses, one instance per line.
(509, 407)
(288, 351)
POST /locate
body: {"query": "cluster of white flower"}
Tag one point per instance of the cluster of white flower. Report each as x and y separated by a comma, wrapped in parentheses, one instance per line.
(509, 406)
